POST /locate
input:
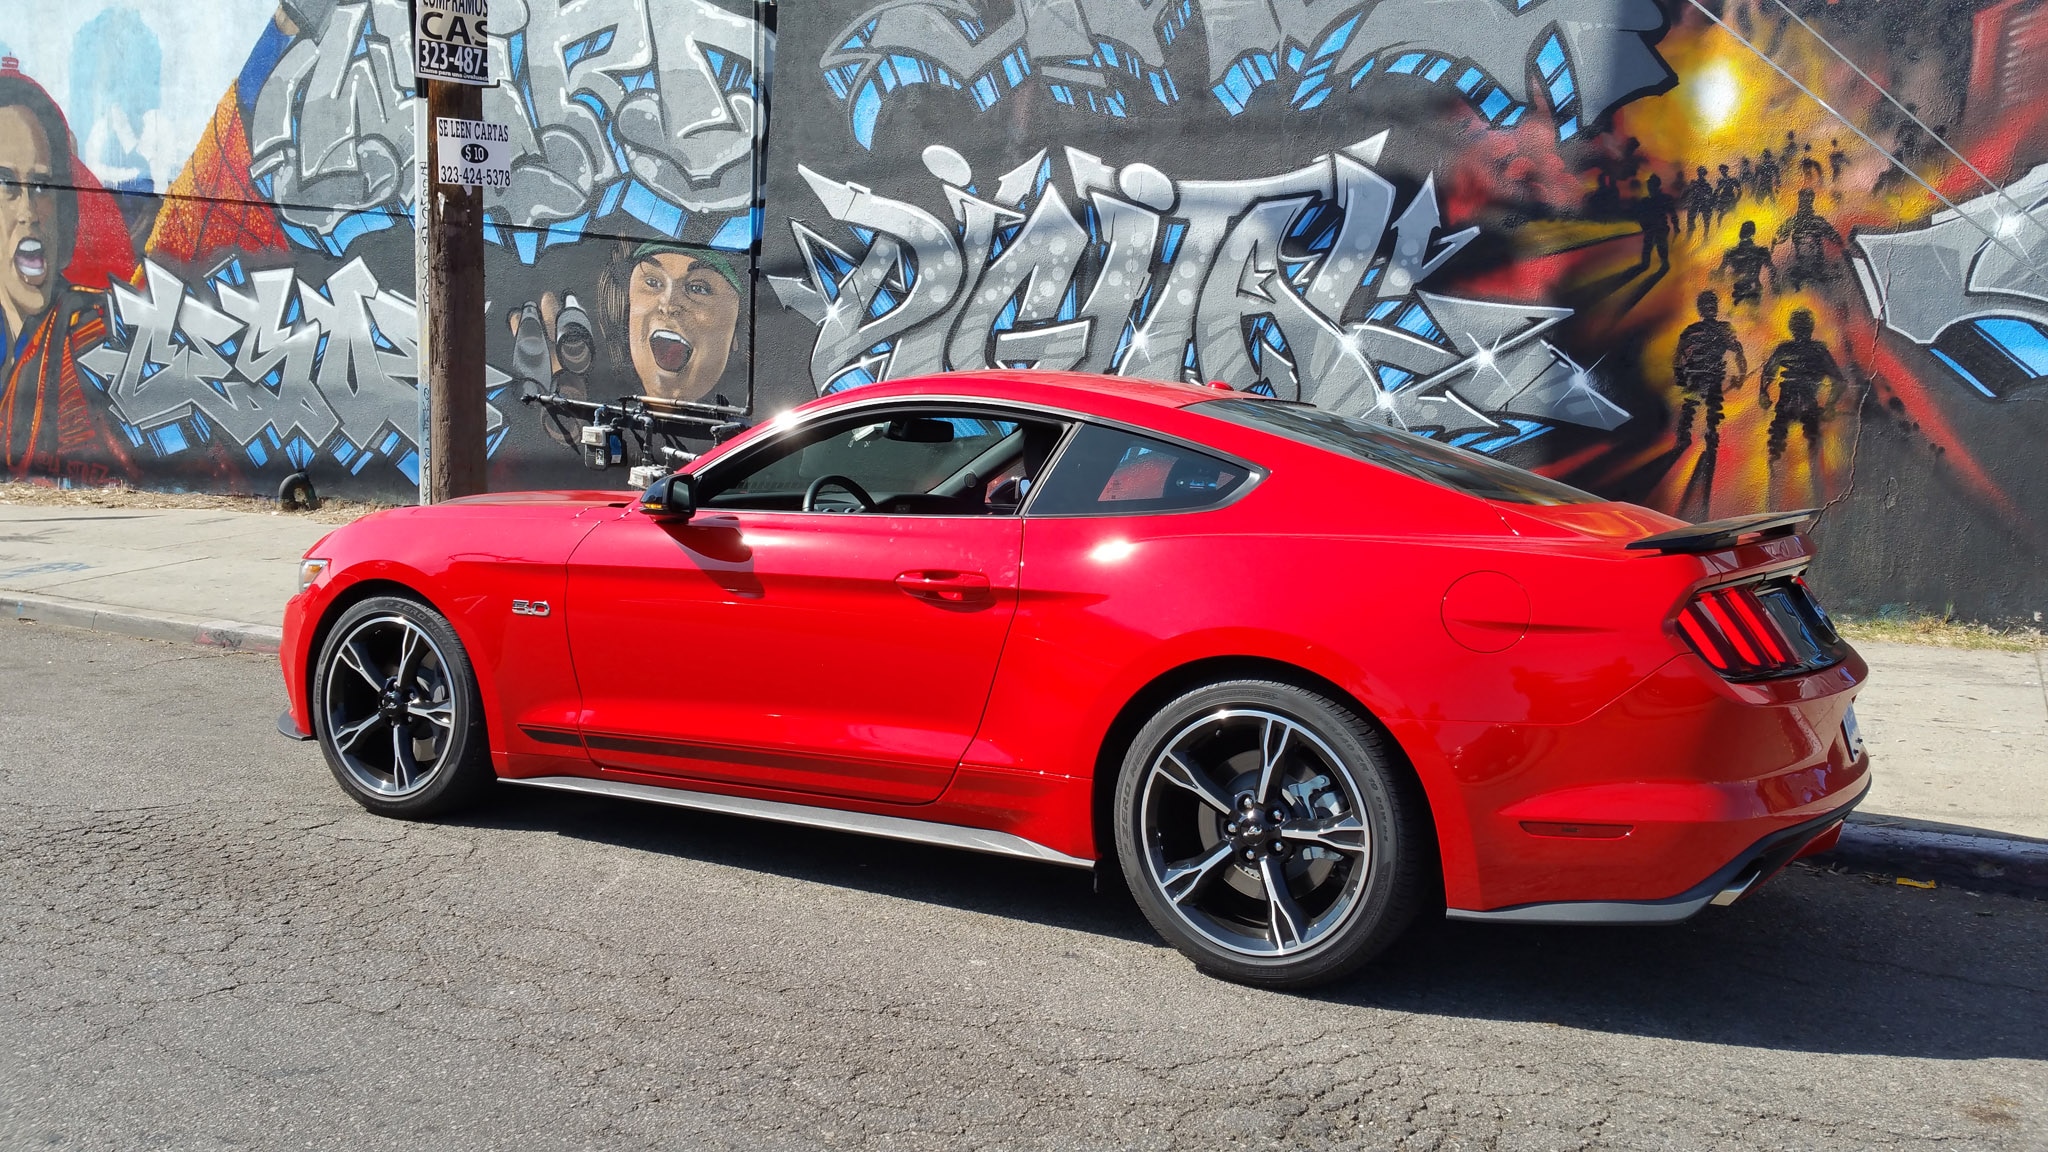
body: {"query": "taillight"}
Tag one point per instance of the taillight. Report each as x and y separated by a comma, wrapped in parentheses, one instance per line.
(1761, 629)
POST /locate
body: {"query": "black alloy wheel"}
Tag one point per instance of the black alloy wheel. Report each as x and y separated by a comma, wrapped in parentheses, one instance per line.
(1269, 834)
(396, 709)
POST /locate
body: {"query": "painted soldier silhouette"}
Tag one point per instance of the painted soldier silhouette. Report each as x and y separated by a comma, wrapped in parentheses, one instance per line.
(1809, 234)
(1727, 194)
(1700, 366)
(1699, 202)
(1766, 176)
(1749, 261)
(1837, 160)
(1657, 213)
(1809, 168)
(1799, 366)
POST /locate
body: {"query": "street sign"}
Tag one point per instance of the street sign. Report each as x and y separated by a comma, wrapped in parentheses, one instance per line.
(472, 152)
(451, 41)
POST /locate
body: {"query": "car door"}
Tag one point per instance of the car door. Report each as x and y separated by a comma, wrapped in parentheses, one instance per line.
(829, 620)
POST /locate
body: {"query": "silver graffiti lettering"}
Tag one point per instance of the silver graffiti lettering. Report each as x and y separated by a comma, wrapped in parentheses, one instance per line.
(599, 91)
(1304, 284)
(1981, 261)
(1105, 53)
(346, 363)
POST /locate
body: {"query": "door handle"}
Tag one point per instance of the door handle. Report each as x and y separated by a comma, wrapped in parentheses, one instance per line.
(945, 587)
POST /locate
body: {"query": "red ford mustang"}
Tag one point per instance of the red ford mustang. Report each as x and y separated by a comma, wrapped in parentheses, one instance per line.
(1294, 674)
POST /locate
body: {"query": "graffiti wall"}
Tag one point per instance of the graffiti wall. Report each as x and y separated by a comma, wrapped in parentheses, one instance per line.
(1715, 256)
(208, 220)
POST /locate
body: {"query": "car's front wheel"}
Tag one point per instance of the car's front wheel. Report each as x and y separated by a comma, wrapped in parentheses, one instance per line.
(396, 708)
(1266, 832)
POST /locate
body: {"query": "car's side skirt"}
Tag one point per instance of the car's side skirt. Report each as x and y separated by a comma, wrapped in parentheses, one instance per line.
(1585, 912)
(836, 819)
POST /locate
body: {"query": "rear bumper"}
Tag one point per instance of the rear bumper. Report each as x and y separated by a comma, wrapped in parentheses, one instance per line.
(1661, 795)
(1738, 878)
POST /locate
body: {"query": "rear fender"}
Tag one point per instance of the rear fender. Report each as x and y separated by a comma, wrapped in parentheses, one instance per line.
(1184, 660)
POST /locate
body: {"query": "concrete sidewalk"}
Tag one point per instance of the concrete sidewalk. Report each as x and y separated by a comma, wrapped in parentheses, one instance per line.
(218, 578)
(1959, 736)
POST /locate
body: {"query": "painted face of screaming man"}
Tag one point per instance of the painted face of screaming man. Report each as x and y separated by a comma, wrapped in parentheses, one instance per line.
(681, 313)
(28, 220)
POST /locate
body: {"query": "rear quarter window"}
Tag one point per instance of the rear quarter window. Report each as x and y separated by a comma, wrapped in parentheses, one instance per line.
(1110, 472)
(1403, 452)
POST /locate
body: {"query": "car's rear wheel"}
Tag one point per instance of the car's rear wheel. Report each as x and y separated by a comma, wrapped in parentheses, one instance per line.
(396, 708)
(1267, 833)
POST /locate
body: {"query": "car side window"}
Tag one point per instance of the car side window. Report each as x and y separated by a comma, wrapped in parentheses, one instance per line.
(899, 461)
(1110, 472)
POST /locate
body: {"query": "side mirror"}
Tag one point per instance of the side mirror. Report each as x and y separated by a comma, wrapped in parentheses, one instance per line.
(674, 495)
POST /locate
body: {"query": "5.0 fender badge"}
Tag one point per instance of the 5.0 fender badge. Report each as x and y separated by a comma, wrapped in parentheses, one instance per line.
(530, 608)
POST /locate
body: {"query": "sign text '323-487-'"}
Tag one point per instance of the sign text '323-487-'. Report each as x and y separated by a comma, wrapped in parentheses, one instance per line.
(451, 40)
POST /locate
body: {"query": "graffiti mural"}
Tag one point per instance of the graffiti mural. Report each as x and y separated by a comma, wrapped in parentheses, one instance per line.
(276, 364)
(1248, 282)
(57, 228)
(240, 306)
(1969, 286)
(613, 112)
(1713, 257)
(1111, 56)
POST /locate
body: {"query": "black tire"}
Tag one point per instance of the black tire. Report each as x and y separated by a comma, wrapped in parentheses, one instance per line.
(359, 706)
(1202, 863)
(297, 492)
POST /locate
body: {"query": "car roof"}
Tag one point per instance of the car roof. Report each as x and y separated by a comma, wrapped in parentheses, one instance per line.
(1074, 390)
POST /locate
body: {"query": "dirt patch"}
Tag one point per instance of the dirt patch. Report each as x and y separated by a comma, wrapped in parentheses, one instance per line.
(1940, 632)
(331, 511)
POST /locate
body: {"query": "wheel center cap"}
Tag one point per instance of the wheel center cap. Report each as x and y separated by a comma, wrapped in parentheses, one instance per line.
(1251, 830)
(391, 704)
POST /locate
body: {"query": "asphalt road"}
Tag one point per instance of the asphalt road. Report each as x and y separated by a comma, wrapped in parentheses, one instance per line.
(202, 944)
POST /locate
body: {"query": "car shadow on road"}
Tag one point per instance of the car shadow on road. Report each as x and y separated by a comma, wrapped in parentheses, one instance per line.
(993, 885)
(1814, 962)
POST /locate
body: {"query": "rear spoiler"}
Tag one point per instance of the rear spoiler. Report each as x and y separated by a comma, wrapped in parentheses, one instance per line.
(1715, 535)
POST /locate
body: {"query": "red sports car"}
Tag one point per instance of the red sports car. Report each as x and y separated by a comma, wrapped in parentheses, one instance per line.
(1298, 676)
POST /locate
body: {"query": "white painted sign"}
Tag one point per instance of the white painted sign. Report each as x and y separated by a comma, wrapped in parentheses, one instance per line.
(472, 152)
(451, 41)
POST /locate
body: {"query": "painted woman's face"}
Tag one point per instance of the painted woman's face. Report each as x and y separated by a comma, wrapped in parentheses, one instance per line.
(28, 219)
(680, 316)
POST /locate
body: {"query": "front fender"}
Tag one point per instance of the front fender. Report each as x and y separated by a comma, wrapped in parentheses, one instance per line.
(469, 563)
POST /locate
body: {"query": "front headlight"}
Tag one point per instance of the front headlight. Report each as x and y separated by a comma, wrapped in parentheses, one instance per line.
(310, 571)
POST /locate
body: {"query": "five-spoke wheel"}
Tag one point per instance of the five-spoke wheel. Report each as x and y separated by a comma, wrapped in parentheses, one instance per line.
(1264, 832)
(394, 705)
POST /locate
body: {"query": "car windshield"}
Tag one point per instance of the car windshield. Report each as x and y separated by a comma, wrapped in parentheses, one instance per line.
(1404, 452)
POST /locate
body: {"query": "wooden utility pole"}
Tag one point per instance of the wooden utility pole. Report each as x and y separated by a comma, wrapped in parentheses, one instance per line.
(452, 306)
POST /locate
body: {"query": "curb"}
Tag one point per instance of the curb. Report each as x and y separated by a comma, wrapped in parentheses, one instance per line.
(1981, 862)
(231, 635)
